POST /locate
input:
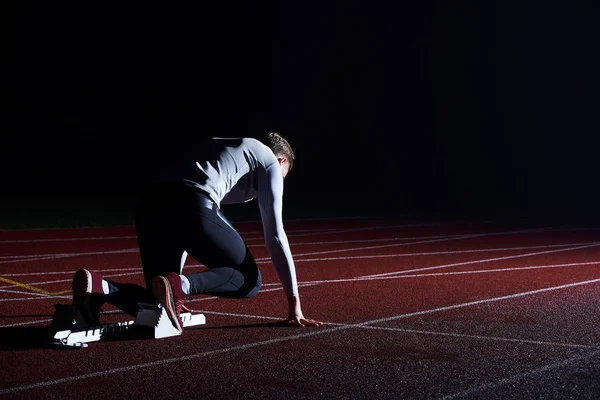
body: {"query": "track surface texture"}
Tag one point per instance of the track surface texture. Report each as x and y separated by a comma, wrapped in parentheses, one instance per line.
(411, 309)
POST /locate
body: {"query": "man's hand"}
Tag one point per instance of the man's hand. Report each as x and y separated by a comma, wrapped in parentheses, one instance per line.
(295, 316)
(302, 322)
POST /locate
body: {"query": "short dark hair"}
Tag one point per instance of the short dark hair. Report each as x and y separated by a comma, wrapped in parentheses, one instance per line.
(280, 147)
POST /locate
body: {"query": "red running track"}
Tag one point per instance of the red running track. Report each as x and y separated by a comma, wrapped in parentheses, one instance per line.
(412, 310)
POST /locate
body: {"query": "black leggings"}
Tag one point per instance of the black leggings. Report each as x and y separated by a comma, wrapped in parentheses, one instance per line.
(174, 220)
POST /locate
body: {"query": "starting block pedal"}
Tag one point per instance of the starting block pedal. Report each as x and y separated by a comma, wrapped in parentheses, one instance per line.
(151, 322)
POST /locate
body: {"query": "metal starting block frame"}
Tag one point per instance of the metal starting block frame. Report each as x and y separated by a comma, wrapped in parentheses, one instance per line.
(152, 322)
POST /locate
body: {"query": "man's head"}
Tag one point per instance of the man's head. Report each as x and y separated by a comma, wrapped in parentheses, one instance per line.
(282, 150)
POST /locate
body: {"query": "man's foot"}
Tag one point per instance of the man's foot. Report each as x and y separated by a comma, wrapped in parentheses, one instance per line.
(88, 295)
(167, 291)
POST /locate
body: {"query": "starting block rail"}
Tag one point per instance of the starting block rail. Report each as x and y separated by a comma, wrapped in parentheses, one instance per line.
(152, 321)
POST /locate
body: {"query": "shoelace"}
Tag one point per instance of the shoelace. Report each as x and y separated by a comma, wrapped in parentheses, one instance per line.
(186, 309)
(178, 307)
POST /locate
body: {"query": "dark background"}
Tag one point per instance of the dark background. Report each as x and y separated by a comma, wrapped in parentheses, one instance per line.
(470, 108)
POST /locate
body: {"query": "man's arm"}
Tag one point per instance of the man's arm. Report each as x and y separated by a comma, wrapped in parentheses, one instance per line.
(270, 200)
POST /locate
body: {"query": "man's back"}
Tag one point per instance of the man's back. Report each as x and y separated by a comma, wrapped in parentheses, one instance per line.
(222, 165)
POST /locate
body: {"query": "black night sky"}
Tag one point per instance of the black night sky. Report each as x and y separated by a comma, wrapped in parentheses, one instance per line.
(453, 107)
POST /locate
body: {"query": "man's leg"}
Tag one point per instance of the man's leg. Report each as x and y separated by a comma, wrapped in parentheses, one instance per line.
(174, 220)
(161, 222)
(232, 271)
(91, 290)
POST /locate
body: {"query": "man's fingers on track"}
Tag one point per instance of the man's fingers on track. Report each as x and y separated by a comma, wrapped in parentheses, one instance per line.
(312, 322)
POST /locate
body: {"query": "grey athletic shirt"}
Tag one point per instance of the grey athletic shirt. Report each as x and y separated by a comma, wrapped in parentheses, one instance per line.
(233, 170)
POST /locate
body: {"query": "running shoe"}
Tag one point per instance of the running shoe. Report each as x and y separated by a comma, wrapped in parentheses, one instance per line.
(88, 296)
(167, 291)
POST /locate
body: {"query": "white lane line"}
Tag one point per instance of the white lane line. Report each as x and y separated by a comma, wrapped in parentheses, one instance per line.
(459, 237)
(383, 246)
(32, 259)
(86, 253)
(312, 332)
(488, 338)
(388, 239)
(70, 280)
(41, 321)
(422, 332)
(448, 252)
(104, 271)
(24, 293)
(27, 256)
(482, 261)
(528, 374)
(471, 272)
(19, 259)
(70, 239)
(127, 237)
(485, 271)
(35, 298)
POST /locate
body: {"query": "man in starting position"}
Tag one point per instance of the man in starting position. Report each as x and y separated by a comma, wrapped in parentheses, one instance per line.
(179, 214)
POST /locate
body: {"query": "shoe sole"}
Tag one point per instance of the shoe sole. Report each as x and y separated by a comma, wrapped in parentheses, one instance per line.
(162, 291)
(83, 298)
(82, 286)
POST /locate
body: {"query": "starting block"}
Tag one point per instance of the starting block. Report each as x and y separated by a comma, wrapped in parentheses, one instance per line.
(152, 322)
